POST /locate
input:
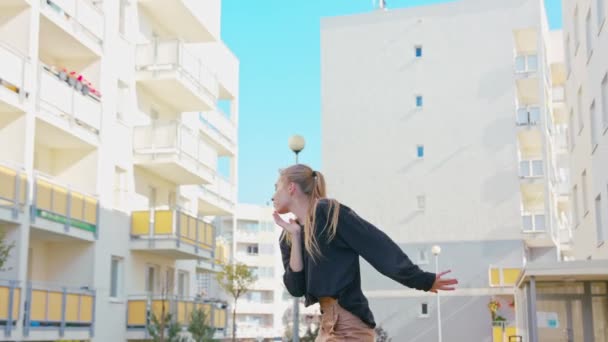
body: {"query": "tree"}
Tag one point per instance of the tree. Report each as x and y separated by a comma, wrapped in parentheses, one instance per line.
(199, 328)
(158, 325)
(382, 335)
(236, 280)
(311, 334)
(5, 251)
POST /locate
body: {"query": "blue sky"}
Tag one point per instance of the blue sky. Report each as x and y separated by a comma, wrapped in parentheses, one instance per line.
(278, 45)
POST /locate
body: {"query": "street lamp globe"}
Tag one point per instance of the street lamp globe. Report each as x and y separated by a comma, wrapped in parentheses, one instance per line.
(296, 143)
(436, 250)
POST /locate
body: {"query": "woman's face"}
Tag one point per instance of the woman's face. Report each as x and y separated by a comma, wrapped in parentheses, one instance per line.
(281, 198)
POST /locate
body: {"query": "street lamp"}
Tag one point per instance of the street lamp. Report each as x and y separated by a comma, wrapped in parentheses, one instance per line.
(296, 144)
(436, 250)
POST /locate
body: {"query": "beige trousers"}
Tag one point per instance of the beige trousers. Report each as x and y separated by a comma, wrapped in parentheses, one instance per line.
(339, 325)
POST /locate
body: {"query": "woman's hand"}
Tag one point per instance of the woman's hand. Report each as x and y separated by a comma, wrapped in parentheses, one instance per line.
(443, 284)
(292, 227)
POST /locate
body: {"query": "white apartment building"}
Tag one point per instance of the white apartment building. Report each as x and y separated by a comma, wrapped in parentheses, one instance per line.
(445, 125)
(115, 120)
(586, 49)
(266, 310)
(570, 299)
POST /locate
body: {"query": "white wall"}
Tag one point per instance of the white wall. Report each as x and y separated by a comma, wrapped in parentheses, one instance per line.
(587, 72)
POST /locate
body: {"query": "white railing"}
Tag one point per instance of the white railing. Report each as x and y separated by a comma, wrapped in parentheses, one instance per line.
(67, 101)
(173, 55)
(12, 69)
(221, 190)
(220, 125)
(173, 137)
(82, 15)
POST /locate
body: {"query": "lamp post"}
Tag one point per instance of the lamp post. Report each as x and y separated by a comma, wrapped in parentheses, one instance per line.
(296, 144)
(436, 250)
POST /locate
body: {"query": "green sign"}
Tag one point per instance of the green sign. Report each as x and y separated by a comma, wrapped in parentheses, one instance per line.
(62, 219)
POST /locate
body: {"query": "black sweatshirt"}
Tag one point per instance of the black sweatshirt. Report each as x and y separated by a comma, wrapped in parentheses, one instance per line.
(336, 273)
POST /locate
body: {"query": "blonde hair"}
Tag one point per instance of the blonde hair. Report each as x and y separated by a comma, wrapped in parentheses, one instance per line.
(312, 184)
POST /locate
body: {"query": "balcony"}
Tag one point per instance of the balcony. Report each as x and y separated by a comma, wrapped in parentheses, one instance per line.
(528, 117)
(192, 21)
(10, 300)
(13, 88)
(172, 233)
(526, 40)
(64, 211)
(77, 26)
(265, 306)
(68, 106)
(218, 198)
(503, 276)
(531, 170)
(535, 229)
(526, 65)
(174, 152)
(172, 73)
(13, 192)
(59, 313)
(219, 131)
(140, 309)
(530, 142)
(504, 332)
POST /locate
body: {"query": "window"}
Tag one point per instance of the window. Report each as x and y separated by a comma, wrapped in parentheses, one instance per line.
(568, 52)
(531, 168)
(419, 101)
(588, 34)
(421, 202)
(418, 51)
(169, 280)
(571, 130)
(122, 20)
(595, 126)
(579, 104)
(182, 284)
(584, 193)
(526, 63)
(423, 256)
(601, 13)
(120, 189)
(604, 95)
(151, 278)
(533, 222)
(601, 236)
(575, 207)
(424, 309)
(577, 37)
(253, 250)
(420, 151)
(528, 116)
(116, 277)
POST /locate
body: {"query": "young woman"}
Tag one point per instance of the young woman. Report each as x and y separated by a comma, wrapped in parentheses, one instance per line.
(321, 250)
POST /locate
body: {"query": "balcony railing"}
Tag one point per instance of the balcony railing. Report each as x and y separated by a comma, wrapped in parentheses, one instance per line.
(141, 308)
(503, 276)
(12, 70)
(526, 63)
(82, 16)
(62, 204)
(59, 307)
(531, 169)
(10, 299)
(173, 225)
(176, 143)
(13, 189)
(59, 96)
(528, 116)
